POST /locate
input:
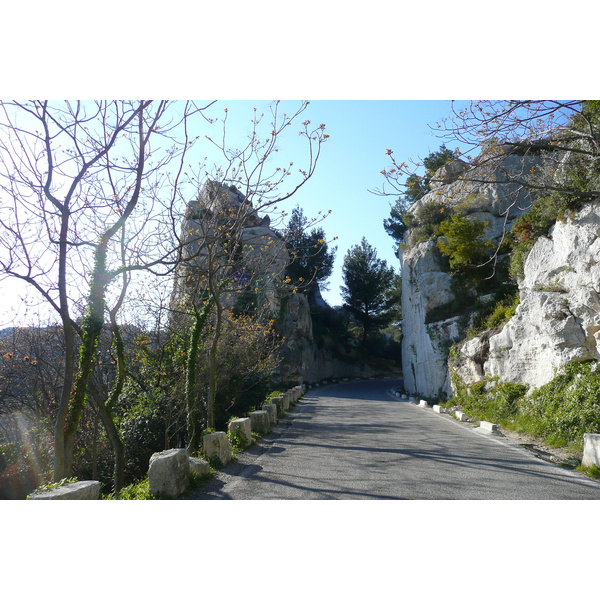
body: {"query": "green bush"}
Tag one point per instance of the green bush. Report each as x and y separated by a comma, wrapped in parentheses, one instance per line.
(496, 315)
(426, 219)
(566, 407)
(532, 225)
(463, 242)
(489, 401)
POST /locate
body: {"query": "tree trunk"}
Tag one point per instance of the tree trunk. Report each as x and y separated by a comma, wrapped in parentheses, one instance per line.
(114, 437)
(60, 468)
(92, 328)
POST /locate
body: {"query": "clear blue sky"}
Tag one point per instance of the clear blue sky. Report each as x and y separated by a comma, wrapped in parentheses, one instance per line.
(350, 164)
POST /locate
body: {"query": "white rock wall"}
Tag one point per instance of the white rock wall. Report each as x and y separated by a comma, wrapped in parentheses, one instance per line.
(425, 286)
(558, 319)
(425, 282)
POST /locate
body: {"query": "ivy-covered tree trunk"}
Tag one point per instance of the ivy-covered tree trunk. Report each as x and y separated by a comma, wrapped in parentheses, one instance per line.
(114, 437)
(92, 328)
(193, 408)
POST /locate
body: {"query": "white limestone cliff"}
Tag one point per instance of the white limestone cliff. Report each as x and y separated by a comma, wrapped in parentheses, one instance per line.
(484, 191)
(558, 318)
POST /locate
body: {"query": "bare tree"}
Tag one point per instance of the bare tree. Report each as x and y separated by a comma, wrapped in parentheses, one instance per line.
(91, 194)
(73, 177)
(230, 243)
(554, 131)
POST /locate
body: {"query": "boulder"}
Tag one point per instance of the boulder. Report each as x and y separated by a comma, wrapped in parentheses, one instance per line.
(217, 447)
(169, 472)
(78, 490)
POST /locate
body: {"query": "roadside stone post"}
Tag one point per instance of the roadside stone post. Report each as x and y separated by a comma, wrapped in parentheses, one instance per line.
(278, 402)
(259, 420)
(242, 428)
(217, 447)
(169, 472)
(78, 490)
(199, 467)
(591, 450)
(272, 412)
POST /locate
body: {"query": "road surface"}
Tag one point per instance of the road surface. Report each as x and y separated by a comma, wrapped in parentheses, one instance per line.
(355, 441)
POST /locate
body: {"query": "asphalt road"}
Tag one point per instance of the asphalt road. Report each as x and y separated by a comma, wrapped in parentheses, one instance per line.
(355, 441)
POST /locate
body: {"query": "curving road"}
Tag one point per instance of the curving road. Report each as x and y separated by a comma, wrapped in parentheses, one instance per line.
(355, 441)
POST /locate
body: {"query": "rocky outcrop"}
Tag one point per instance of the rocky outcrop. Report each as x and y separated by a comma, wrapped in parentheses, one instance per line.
(558, 318)
(425, 287)
(304, 361)
(487, 192)
(257, 263)
(221, 227)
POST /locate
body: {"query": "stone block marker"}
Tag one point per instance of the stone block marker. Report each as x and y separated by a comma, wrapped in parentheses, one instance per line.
(591, 450)
(289, 395)
(460, 415)
(278, 402)
(242, 428)
(259, 420)
(78, 490)
(423, 404)
(272, 411)
(217, 447)
(438, 409)
(487, 427)
(169, 472)
(199, 467)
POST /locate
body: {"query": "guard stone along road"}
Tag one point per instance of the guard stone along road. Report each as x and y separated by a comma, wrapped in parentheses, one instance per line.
(354, 440)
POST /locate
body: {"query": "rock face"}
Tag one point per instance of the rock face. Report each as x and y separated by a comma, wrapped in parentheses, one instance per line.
(558, 318)
(260, 254)
(426, 284)
(260, 262)
(304, 360)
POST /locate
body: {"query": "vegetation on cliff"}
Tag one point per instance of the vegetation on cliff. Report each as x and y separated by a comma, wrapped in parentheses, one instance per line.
(563, 141)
